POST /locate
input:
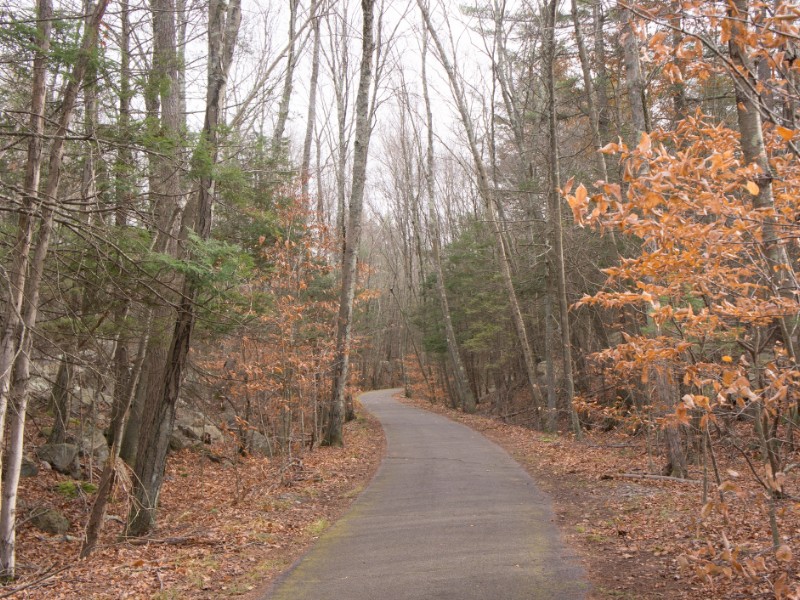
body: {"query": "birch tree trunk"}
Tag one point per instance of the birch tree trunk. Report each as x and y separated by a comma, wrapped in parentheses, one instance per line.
(336, 413)
(465, 396)
(21, 370)
(490, 205)
(12, 326)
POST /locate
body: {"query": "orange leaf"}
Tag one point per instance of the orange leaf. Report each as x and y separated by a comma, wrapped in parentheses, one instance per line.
(568, 186)
(609, 148)
(753, 188)
(784, 553)
(786, 133)
(645, 144)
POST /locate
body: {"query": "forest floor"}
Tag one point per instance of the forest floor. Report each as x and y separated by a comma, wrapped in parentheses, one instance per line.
(647, 538)
(227, 525)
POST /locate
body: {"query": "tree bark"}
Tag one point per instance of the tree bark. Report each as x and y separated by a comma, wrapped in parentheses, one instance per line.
(465, 396)
(633, 75)
(336, 414)
(748, 110)
(223, 30)
(62, 403)
(305, 166)
(601, 87)
(286, 96)
(490, 204)
(556, 221)
(12, 326)
(21, 373)
(588, 85)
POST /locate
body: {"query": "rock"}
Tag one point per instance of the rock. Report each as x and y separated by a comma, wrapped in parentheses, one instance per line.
(177, 441)
(39, 387)
(62, 457)
(195, 425)
(50, 520)
(30, 467)
(94, 444)
(192, 429)
(259, 444)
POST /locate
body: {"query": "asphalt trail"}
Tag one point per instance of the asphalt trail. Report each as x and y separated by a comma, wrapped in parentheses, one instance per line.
(448, 516)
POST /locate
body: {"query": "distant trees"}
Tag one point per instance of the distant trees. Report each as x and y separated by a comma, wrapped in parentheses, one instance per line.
(215, 221)
(135, 238)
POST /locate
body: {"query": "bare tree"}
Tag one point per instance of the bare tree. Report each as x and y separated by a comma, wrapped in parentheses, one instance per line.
(305, 165)
(490, 206)
(32, 282)
(465, 396)
(557, 249)
(333, 435)
(288, 83)
(223, 30)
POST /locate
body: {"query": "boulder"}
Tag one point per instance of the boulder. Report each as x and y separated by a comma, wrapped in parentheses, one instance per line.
(196, 426)
(50, 520)
(177, 441)
(259, 444)
(30, 466)
(39, 387)
(62, 457)
(94, 444)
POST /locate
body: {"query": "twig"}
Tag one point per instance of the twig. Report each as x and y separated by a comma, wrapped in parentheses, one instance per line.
(178, 540)
(33, 583)
(655, 477)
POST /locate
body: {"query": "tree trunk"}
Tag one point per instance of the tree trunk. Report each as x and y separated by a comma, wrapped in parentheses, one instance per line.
(465, 396)
(748, 109)
(490, 204)
(333, 435)
(588, 85)
(12, 326)
(556, 220)
(603, 79)
(124, 390)
(62, 403)
(223, 30)
(21, 374)
(312, 114)
(549, 334)
(286, 96)
(633, 75)
(162, 93)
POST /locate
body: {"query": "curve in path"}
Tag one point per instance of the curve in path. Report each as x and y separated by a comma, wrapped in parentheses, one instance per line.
(449, 515)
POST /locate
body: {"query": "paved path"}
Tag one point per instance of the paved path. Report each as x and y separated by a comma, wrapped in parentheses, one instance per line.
(449, 515)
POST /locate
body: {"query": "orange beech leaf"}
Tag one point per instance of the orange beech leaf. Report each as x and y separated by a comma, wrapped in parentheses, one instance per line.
(578, 204)
(753, 188)
(780, 588)
(784, 553)
(568, 186)
(786, 133)
(657, 38)
(645, 144)
(610, 148)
